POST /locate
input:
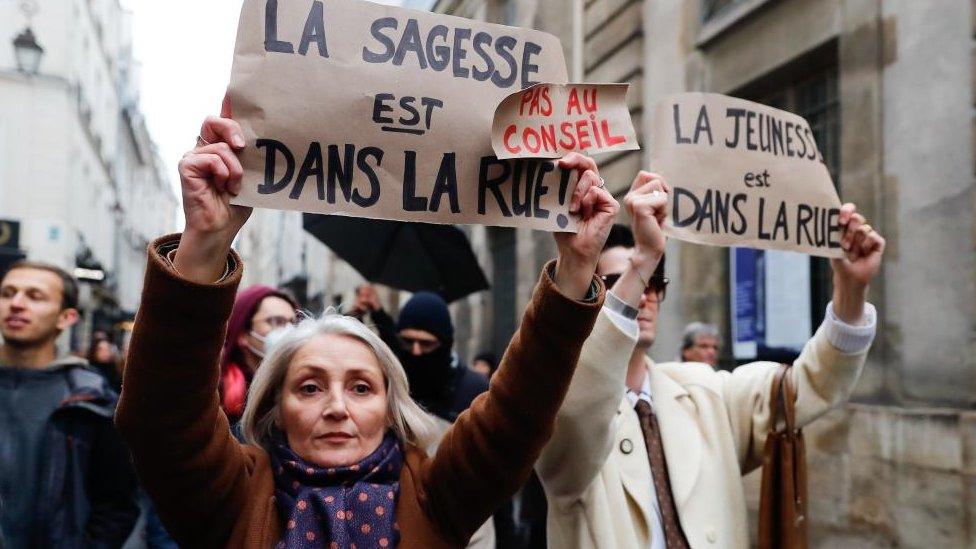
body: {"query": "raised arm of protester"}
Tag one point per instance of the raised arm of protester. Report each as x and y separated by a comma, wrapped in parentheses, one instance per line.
(584, 435)
(491, 448)
(334, 451)
(826, 371)
(656, 450)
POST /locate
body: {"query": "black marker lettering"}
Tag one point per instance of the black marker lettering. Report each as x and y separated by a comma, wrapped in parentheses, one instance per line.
(271, 42)
(314, 31)
(460, 54)
(504, 47)
(270, 186)
(528, 69)
(311, 166)
(446, 183)
(737, 114)
(486, 184)
(438, 56)
(389, 47)
(481, 40)
(370, 173)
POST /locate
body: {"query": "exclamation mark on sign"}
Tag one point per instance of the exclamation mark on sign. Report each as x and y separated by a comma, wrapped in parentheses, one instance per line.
(565, 176)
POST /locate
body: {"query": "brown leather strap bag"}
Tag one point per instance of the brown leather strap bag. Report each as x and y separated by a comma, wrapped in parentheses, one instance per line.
(783, 496)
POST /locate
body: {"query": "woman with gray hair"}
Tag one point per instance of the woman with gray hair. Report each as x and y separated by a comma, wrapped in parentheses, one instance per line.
(407, 421)
(334, 443)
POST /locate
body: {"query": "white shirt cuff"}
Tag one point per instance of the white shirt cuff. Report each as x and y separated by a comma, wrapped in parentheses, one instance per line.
(626, 325)
(851, 338)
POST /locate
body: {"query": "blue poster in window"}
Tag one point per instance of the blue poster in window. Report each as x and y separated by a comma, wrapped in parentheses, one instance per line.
(770, 304)
(745, 304)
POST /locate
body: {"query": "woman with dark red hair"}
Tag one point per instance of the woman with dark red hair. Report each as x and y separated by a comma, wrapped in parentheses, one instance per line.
(258, 311)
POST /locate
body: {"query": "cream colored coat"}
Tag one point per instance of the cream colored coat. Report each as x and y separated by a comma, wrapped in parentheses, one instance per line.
(713, 425)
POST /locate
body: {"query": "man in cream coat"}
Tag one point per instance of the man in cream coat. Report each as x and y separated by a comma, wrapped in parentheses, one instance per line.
(713, 425)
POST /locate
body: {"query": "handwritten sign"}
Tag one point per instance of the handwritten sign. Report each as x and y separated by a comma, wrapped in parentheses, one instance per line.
(354, 108)
(550, 120)
(744, 174)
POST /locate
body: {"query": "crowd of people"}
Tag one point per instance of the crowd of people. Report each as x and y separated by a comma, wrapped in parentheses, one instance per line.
(238, 421)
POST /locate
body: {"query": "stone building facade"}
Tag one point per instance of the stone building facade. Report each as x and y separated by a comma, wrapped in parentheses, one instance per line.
(889, 87)
(79, 173)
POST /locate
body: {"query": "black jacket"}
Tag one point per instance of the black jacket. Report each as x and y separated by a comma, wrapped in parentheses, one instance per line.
(86, 491)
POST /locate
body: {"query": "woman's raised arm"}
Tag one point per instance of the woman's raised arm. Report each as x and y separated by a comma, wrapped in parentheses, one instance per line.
(489, 451)
(168, 414)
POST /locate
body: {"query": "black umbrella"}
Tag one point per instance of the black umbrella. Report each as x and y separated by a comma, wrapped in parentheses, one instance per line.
(408, 256)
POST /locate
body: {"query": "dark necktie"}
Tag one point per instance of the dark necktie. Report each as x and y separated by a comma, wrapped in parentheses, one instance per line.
(673, 534)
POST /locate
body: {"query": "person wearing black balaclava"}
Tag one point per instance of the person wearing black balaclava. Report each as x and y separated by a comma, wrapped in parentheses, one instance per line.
(423, 339)
(424, 342)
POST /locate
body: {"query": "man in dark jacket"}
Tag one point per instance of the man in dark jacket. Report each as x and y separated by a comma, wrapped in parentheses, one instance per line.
(65, 476)
(423, 339)
(424, 342)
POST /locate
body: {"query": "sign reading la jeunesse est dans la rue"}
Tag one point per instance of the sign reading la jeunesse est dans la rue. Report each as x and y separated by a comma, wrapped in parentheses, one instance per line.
(744, 174)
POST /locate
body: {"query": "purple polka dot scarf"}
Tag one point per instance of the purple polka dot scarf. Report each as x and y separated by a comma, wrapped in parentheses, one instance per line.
(342, 507)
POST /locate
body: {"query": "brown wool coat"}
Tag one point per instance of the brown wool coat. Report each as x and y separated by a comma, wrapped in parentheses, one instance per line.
(212, 491)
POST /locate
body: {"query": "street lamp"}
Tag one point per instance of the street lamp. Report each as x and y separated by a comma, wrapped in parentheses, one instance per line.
(28, 52)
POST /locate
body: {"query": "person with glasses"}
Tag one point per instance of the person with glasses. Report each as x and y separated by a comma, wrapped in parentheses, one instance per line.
(259, 311)
(650, 455)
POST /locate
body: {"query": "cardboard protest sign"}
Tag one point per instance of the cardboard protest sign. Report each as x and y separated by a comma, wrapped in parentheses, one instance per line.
(744, 174)
(354, 108)
(550, 120)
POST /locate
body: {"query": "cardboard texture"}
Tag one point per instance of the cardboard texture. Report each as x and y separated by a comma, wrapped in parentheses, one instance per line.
(551, 120)
(354, 108)
(744, 174)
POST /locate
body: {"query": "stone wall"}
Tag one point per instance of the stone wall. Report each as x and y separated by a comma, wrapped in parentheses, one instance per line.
(882, 476)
